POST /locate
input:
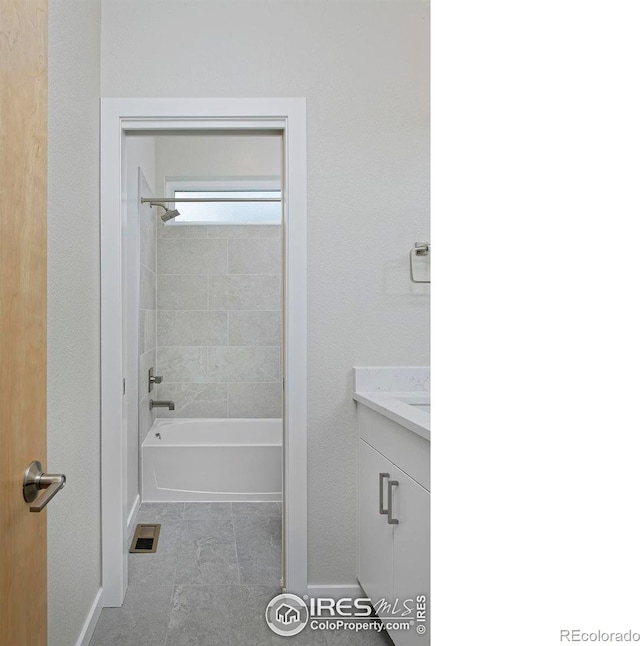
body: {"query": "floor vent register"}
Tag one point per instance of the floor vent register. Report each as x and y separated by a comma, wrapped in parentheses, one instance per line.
(145, 539)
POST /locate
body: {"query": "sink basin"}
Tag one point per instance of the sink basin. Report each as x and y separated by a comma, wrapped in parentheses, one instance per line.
(424, 407)
(400, 393)
(411, 410)
(417, 400)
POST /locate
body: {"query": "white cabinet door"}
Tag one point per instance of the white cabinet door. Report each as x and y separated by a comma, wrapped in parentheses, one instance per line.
(411, 506)
(375, 536)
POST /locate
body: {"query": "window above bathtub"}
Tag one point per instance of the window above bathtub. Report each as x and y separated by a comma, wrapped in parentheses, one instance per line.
(244, 205)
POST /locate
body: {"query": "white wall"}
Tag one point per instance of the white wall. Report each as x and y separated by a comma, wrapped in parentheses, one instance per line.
(73, 398)
(208, 156)
(363, 67)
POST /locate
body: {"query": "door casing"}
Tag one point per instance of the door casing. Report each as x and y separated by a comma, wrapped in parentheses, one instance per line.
(122, 115)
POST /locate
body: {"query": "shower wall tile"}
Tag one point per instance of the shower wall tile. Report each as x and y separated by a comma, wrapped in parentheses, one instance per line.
(254, 328)
(192, 256)
(219, 320)
(176, 231)
(147, 338)
(147, 289)
(202, 328)
(148, 244)
(254, 256)
(179, 292)
(255, 400)
(244, 292)
(244, 363)
(182, 364)
(193, 400)
(244, 231)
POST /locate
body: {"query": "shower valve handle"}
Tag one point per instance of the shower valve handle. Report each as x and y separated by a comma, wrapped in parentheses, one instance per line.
(153, 379)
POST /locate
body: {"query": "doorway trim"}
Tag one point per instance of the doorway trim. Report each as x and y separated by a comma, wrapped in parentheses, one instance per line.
(122, 115)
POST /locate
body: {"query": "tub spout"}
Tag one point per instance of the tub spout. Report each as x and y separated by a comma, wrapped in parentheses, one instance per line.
(156, 403)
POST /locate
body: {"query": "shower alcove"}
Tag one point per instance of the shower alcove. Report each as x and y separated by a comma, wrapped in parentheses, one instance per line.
(214, 310)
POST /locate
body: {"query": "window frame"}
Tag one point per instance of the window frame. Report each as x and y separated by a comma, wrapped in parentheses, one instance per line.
(222, 184)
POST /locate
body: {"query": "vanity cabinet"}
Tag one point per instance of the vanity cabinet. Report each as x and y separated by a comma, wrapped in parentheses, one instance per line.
(411, 547)
(393, 557)
(375, 534)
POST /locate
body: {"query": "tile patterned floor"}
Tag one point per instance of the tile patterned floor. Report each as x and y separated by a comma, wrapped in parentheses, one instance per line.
(216, 567)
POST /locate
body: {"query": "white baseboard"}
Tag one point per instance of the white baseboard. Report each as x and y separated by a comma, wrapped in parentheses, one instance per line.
(90, 622)
(132, 517)
(335, 591)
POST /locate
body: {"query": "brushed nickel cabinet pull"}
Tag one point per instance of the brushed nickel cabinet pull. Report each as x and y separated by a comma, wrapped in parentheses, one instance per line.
(420, 249)
(381, 508)
(390, 519)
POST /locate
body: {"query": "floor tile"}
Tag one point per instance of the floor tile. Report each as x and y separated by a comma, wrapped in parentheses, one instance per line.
(253, 571)
(307, 637)
(207, 553)
(227, 616)
(141, 621)
(258, 529)
(160, 512)
(207, 510)
(259, 537)
(224, 563)
(360, 638)
(259, 508)
(158, 568)
(259, 544)
(218, 527)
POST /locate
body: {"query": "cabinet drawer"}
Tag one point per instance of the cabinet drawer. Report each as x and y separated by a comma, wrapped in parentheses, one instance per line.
(401, 446)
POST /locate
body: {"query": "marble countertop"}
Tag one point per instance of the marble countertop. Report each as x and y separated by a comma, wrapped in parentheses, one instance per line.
(400, 393)
(401, 407)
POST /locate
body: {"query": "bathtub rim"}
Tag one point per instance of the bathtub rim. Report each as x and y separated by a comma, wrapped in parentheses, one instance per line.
(208, 464)
(160, 423)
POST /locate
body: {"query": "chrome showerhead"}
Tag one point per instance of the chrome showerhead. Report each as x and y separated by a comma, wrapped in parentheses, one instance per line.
(168, 214)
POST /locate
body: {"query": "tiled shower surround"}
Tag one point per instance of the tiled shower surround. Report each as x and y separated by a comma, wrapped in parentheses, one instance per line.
(219, 320)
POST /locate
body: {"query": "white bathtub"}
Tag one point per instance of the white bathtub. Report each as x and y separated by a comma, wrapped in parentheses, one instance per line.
(212, 460)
